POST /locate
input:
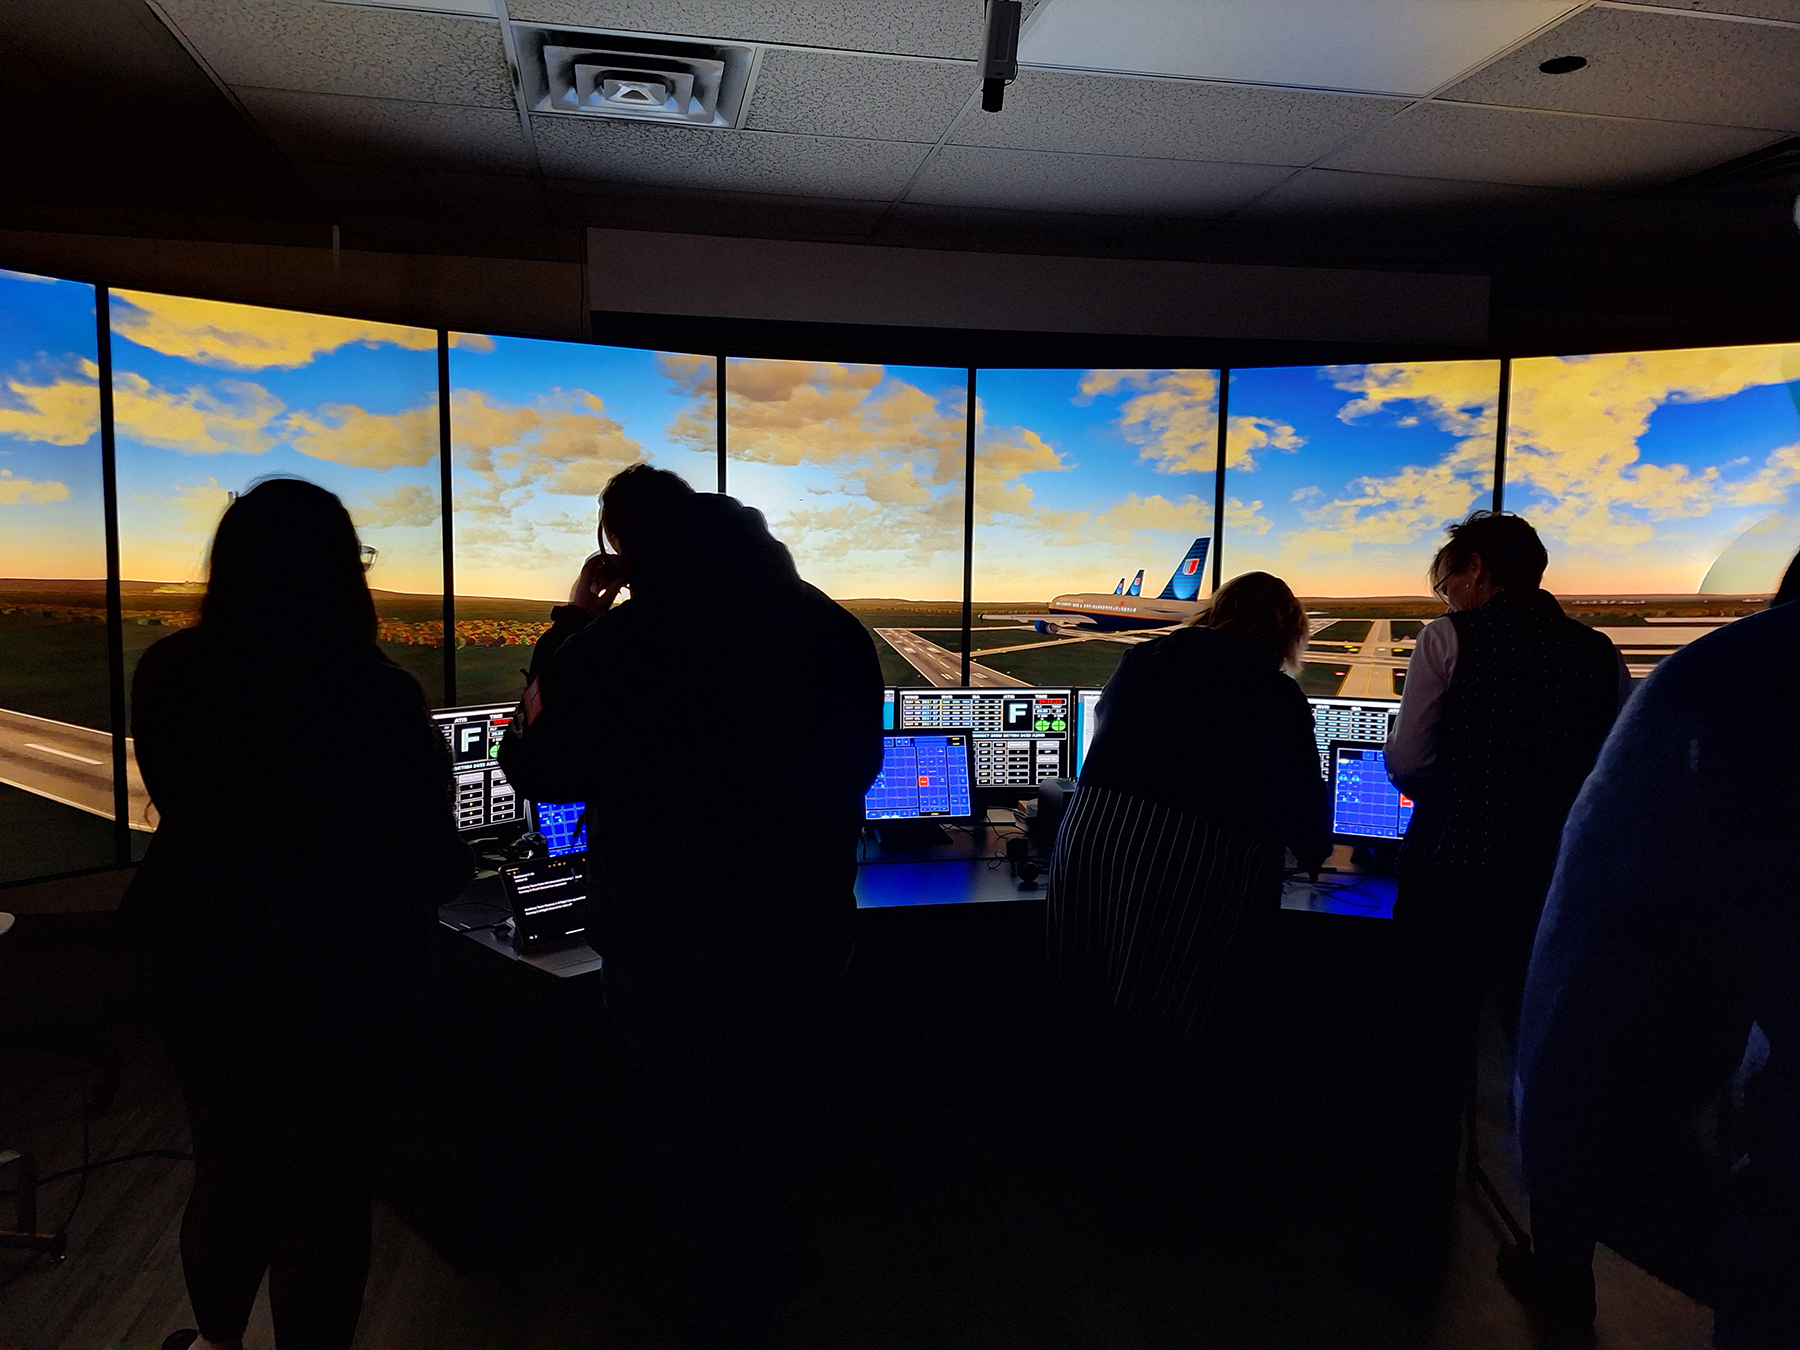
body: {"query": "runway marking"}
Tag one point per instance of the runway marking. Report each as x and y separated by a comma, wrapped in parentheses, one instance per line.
(52, 750)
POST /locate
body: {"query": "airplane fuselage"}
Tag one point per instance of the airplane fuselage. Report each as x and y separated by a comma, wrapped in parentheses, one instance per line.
(1116, 613)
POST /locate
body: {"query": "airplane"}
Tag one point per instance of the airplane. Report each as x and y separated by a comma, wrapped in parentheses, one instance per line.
(1128, 608)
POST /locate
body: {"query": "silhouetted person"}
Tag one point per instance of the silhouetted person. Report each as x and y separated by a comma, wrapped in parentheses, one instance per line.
(1507, 702)
(285, 904)
(1668, 931)
(1165, 885)
(722, 726)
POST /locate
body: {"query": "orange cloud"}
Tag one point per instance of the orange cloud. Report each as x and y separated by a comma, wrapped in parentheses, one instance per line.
(236, 419)
(407, 505)
(248, 337)
(23, 491)
(1175, 419)
(63, 412)
(345, 434)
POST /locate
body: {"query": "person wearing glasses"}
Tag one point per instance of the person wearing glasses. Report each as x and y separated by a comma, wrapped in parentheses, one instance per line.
(1506, 705)
(285, 909)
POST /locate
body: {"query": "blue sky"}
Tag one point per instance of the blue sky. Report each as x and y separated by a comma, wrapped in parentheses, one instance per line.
(51, 521)
(859, 469)
(1084, 476)
(210, 397)
(1643, 470)
(538, 429)
(1347, 474)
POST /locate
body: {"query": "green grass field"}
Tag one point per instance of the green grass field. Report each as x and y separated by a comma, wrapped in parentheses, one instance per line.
(1080, 665)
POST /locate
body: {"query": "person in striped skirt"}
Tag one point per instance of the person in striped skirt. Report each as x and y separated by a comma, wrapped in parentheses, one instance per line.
(1165, 883)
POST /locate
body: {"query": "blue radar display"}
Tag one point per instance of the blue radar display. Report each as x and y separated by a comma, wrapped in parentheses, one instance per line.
(563, 827)
(1364, 805)
(923, 775)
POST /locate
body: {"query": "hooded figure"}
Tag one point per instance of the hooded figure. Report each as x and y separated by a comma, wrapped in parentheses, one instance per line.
(722, 726)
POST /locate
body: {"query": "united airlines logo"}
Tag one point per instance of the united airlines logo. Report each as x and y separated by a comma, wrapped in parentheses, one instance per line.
(1191, 566)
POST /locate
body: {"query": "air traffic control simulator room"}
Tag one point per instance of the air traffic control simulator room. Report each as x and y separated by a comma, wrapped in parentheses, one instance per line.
(1026, 328)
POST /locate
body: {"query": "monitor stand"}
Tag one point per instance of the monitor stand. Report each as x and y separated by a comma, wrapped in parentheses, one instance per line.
(908, 834)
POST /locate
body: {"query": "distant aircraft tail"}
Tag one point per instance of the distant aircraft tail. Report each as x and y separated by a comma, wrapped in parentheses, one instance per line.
(1137, 584)
(1120, 588)
(1185, 584)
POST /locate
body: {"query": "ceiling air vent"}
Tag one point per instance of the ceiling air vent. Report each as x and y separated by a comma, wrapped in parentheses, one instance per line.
(634, 75)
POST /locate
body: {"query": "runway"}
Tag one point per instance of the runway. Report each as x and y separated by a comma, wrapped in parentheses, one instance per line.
(943, 668)
(69, 764)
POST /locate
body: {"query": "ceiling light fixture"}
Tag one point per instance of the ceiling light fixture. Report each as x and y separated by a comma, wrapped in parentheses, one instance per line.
(999, 52)
(1562, 65)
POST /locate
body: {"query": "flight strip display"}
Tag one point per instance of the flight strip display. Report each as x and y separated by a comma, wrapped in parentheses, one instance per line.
(1021, 735)
(483, 796)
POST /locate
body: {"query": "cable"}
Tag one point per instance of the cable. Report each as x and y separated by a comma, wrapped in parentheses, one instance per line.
(171, 1154)
(87, 1165)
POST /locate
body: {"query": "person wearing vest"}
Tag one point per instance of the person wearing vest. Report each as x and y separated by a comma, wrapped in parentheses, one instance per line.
(1506, 705)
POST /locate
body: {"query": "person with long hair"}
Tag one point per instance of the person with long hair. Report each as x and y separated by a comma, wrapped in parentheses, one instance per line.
(285, 905)
(1165, 883)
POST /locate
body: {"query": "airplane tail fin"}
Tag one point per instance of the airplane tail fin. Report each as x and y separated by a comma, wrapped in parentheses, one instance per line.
(1137, 583)
(1185, 584)
(1120, 588)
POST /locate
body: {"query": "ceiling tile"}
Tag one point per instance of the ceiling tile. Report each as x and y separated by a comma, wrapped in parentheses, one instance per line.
(693, 211)
(388, 131)
(1023, 180)
(1503, 145)
(1321, 194)
(1375, 46)
(1171, 119)
(831, 94)
(1666, 66)
(1750, 9)
(949, 28)
(342, 49)
(733, 161)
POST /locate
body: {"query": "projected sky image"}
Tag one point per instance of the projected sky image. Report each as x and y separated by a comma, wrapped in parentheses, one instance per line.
(538, 428)
(859, 470)
(1659, 472)
(50, 489)
(1084, 476)
(56, 803)
(1666, 485)
(210, 397)
(1344, 476)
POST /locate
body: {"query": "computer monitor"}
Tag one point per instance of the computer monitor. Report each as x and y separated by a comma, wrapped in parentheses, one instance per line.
(887, 708)
(1087, 712)
(563, 825)
(1364, 805)
(483, 796)
(1021, 736)
(1350, 719)
(546, 902)
(924, 776)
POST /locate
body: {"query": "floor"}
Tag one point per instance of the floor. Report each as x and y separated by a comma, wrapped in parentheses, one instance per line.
(985, 1212)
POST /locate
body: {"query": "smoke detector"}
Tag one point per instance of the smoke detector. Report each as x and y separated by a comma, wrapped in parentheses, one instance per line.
(639, 76)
